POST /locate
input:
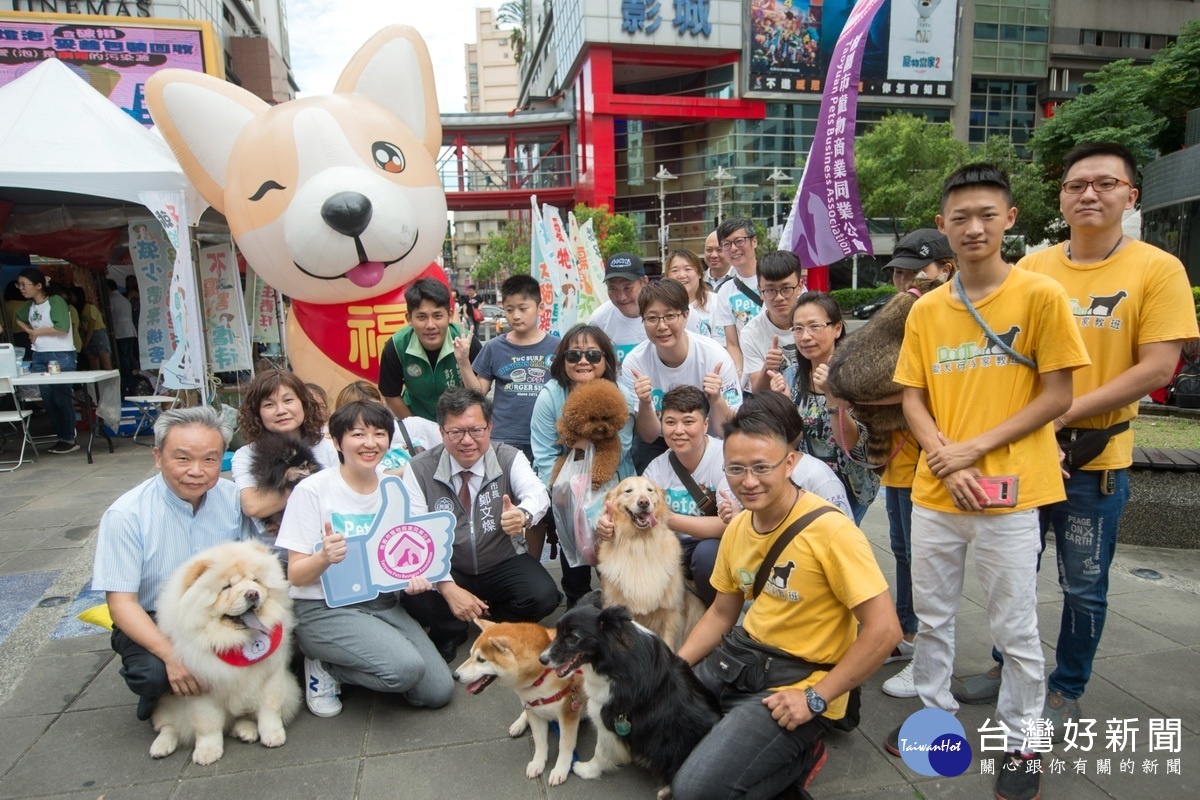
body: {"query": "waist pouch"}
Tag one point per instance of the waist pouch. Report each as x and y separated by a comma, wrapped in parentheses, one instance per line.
(741, 663)
(1081, 446)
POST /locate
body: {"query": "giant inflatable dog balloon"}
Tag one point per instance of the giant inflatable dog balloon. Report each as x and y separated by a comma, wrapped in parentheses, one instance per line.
(334, 200)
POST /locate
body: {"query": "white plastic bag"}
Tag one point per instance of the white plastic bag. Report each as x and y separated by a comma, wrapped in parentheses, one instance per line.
(577, 507)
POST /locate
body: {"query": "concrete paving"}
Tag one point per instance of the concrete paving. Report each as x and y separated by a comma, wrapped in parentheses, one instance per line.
(67, 725)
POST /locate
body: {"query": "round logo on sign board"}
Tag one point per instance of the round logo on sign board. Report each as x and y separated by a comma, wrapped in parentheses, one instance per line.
(405, 551)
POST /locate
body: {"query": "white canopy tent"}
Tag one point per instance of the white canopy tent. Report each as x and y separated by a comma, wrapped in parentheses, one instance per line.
(62, 146)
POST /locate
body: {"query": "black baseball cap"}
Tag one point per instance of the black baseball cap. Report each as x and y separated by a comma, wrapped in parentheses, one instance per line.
(916, 250)
(624, 265)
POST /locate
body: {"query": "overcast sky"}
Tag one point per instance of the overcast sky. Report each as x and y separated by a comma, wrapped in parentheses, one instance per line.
(324, 35)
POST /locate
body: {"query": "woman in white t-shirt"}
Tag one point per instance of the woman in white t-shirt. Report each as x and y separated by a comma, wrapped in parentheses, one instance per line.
(46, 318)
(375, 643)
(685, 267)
(700, 457)
(413, 434)
(276, 403)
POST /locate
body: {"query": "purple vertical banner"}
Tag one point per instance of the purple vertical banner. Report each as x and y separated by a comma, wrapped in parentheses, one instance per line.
(827, 222)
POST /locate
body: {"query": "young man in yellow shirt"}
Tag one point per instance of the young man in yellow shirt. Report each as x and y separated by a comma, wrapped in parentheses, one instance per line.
(1133, 308)
(981, 404)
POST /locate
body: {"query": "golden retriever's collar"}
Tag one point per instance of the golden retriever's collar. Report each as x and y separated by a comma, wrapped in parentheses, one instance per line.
(257, 649)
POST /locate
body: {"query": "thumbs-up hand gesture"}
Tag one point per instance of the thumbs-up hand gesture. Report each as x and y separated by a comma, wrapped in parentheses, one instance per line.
(604, 526)
(779, 384)
(712, 385)
(774, 357)
(725, 506)
(512, 518)
(642, 387)
(333, 545)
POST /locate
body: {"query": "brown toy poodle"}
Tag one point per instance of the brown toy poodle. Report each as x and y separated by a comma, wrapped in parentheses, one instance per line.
(595, 411)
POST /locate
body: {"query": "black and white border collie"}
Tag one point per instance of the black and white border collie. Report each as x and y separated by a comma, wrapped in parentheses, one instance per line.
(643, 699)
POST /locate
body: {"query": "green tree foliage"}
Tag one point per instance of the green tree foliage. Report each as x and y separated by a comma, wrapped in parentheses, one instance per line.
(903, 161)
(1143, 107)
(616, 233)
(514, 12)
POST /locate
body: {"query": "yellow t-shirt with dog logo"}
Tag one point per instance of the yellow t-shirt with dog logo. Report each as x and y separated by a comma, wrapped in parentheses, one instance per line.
(804, 607)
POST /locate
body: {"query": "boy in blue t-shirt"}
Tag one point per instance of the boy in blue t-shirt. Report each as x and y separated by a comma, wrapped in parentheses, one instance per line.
(517, 362)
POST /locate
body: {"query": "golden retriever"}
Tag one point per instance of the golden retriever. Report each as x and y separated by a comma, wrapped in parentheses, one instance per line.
(640, 567)
(229, 617)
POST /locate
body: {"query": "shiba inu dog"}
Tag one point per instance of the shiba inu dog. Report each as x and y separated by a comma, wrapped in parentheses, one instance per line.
(334, 200)
(508, 652)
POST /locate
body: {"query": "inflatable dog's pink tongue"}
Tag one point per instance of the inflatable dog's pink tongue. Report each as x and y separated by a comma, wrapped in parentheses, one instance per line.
(366, 274)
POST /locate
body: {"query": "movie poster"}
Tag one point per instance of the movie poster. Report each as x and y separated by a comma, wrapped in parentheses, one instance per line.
(922, 40)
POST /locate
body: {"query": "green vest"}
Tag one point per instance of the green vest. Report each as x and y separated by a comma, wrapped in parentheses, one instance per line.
(425, 382)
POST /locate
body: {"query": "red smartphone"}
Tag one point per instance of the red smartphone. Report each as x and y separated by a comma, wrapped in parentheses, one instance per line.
(1001, 490)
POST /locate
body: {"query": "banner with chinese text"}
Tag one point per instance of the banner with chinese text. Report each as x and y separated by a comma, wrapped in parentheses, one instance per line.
(224, 316)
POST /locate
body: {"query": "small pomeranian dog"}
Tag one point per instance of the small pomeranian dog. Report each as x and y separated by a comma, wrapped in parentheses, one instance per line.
(279, 463)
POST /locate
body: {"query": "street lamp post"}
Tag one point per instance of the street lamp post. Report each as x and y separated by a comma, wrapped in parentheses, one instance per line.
(662, 177)
(720, 176)
(777, 177)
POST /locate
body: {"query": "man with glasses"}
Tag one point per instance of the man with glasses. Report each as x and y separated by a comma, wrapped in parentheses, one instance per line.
(1134, 310)
(624, 279)
(716, 261)
(738, 300)
(495, 497)
(674, 357)
(768, 346)
(824, 601)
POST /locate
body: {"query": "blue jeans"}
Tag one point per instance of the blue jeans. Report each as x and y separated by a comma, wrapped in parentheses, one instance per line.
(1085, 539)
(699, 558)
(899, 511)
(747, 754)
(58, 399)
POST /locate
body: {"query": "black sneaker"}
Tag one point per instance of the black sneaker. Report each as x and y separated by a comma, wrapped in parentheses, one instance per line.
(63, 447)
(1019, 777)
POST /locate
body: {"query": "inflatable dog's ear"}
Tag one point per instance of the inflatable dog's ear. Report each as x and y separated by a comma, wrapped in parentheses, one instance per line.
(201, 117)
(393, 70)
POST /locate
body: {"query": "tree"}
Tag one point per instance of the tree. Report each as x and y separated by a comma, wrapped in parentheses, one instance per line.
(513, 13)
(505, 253)
(616, 233)
(901, 164)
(1143, 107)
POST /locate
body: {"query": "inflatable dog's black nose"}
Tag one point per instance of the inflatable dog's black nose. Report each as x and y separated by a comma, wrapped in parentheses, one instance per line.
(348, 213)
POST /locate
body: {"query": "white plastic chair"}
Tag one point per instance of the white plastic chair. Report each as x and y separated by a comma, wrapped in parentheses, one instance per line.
(149, 406)
(18, 419)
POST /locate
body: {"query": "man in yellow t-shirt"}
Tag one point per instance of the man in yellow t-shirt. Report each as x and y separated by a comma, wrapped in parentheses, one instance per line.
(1133, 307)
(824, 585)
(981, 406)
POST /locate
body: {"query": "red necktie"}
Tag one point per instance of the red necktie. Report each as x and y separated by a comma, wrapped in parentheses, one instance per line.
(464, 490)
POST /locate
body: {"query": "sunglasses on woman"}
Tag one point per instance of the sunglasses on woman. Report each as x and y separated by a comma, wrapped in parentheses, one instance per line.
(593, 356)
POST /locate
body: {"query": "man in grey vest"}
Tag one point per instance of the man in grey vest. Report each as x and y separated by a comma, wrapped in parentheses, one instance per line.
(495, 497)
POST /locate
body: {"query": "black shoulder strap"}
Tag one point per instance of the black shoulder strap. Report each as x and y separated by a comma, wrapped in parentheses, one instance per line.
(706, 503)
(408, 445)
(746, 290)
(783, 541)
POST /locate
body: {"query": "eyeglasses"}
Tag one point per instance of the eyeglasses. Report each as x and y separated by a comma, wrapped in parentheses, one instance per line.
(670, 319)
(574, 356)
(1101, 185)
(759, 470)
(813, 327)
(458, 434)
(783, 291)
(24, 285)
(739, 243)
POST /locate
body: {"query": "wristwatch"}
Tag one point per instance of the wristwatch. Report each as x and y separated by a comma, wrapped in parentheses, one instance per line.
(816, 703)
(528, 518)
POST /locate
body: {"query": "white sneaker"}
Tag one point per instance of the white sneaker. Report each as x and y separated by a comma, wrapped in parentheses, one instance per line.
(903, 652)
(901, 684)
(320, 690)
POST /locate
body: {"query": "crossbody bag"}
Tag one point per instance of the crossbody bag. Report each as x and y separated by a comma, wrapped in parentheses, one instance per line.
(995, 340)
(706, 501)
(746, 290)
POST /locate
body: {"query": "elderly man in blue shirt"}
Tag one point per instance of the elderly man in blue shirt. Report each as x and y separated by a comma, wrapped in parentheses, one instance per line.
(150, 531)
